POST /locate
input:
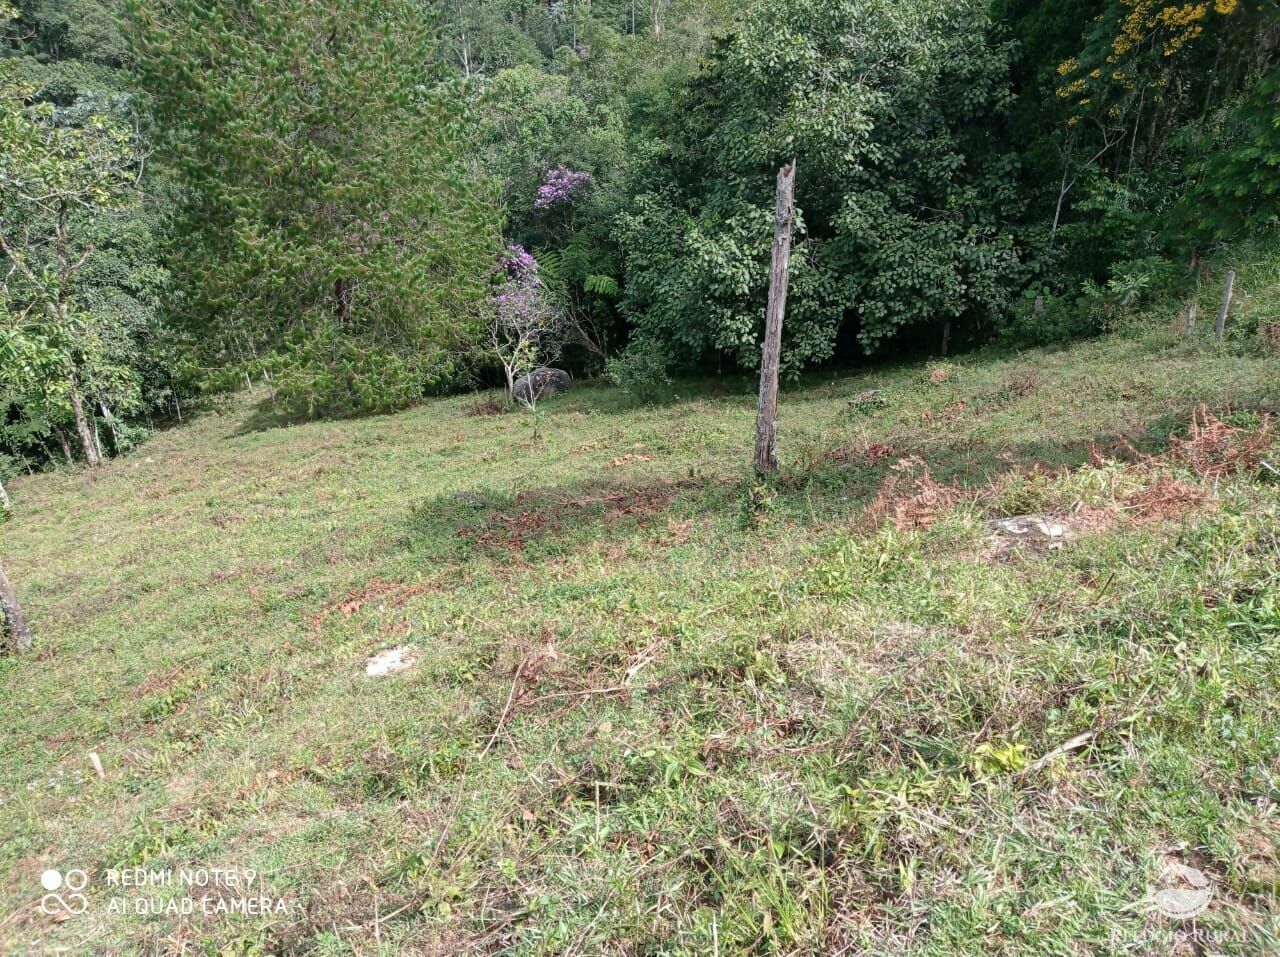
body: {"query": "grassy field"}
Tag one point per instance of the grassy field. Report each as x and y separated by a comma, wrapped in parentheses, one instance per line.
(653, 706)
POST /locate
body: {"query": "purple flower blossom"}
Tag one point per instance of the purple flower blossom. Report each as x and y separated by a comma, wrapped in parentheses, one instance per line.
(518, 299)
(561, 186)
(517, 263)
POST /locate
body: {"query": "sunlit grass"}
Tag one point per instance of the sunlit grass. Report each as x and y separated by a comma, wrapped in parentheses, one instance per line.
(658, 707)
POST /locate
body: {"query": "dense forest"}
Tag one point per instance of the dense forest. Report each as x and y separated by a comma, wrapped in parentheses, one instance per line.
(359, 203)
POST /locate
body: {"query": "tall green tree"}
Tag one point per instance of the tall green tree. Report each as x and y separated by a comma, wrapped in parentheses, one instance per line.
(1148, 126)
(904, 193)
(334, 234)
(58, 179)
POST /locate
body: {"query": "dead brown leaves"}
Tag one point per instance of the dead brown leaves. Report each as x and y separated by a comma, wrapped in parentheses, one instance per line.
(377, 590)
(485, 407)
(922, 509)
(1269, 333)
(913, 500)
(948, 413)
(1214, 449)
(161, 681)
(679, 533)
(1166, 497)
(512, 531)
(871, 454)
(627, 458)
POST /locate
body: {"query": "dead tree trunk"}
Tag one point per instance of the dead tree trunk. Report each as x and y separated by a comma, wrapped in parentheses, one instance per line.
(766, 459)
(16, 625)
(1225, 306)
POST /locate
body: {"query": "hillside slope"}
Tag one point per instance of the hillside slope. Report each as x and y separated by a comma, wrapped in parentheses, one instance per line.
(651, 706)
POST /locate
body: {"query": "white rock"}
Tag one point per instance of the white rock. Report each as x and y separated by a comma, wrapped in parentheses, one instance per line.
(389, 662)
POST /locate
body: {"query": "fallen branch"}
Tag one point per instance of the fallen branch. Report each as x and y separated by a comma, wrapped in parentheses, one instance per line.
(506, 710)
(1075, 744)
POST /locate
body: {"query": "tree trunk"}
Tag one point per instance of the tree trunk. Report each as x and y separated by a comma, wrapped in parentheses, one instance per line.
(1062, 196)
(66, 446)
(111, 424)
(18, 630)
(342, 294)
(87, 441)
(511, 382)
(766, 458)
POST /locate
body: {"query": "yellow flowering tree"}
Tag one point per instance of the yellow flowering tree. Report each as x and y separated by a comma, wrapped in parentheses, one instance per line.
(1186, 91)
(1151, 51)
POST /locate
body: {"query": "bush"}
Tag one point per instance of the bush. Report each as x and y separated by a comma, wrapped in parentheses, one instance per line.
(640, 372)
(1040, 318)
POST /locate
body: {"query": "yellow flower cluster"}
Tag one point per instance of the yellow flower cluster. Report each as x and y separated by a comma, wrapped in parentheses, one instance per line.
(1170, 26)
(1072, 88)
(1181, 23)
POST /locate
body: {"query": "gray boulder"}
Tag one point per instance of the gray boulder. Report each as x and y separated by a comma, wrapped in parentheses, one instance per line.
(539, 383)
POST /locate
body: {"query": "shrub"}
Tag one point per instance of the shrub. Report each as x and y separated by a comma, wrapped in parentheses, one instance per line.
(640, 371)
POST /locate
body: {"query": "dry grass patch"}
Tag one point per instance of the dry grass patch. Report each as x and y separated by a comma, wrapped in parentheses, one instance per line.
(1214, 448)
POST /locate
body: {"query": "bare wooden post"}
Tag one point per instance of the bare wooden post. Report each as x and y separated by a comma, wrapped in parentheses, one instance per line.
(1192, 311)
(10, 612)
(766, 459)
(1226, 305)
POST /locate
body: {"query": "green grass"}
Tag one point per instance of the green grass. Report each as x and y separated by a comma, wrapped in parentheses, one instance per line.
(657, 707)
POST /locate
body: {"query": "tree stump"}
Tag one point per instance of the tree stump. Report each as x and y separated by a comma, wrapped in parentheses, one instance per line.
(14, 624)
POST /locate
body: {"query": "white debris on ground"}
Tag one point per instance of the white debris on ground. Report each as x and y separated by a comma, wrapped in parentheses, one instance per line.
(1028, 527)
(1038, 531)
(390, 661)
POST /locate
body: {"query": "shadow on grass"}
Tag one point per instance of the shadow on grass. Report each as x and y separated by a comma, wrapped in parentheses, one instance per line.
(835, 487)
(544, 522)
(594, 395)
(267, 415)
(607, 399)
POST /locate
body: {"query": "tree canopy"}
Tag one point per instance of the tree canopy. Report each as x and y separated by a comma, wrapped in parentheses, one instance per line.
(196, 195)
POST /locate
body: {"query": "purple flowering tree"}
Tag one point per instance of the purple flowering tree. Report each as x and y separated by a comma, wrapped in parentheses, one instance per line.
(526, 329)
(561, 187)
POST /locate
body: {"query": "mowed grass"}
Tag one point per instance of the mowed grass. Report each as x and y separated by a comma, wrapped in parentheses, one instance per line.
(657, 707)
